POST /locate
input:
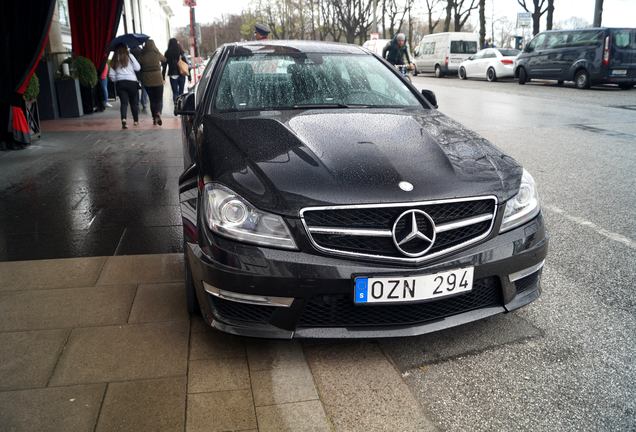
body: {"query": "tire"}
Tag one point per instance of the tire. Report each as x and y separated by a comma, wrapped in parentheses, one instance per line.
(560, 82)
(438, 72)
(191, 296)
(625, 86)
(523, 76)
(582, 79)
(415, 72)
(462, 73)
(491, 75)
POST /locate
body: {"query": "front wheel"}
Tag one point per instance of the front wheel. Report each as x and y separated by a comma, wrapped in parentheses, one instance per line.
(523, 76)
(582, 79)
(415, 72)
(462, 73)
(491, 75)
(438, 72)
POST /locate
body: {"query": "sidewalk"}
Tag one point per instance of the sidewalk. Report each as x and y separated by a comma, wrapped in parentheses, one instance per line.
(105, 343)
(88, 188)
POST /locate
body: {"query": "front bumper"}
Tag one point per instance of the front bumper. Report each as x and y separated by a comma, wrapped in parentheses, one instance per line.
(320, 288)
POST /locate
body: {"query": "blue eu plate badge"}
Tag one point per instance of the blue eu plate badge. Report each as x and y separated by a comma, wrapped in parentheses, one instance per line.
(362, 285)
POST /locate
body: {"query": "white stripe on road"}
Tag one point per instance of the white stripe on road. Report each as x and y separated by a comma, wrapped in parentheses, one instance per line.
(586, 223)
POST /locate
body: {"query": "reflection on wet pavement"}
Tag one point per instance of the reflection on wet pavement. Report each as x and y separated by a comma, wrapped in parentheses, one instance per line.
(95, 190)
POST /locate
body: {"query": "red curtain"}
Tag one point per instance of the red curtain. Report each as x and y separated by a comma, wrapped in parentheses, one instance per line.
(24, 29)
(93, 25)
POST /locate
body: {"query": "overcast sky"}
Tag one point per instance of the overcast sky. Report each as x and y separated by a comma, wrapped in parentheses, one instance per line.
(616, 13)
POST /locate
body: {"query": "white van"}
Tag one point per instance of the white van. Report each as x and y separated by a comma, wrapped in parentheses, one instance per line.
(442, 53)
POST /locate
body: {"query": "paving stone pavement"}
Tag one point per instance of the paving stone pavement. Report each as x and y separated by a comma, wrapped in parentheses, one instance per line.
(104, 344)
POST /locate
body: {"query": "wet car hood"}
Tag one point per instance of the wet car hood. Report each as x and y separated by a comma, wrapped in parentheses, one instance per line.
(282, 161)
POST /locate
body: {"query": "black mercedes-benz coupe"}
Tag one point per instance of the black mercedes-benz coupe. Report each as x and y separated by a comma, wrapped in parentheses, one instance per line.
(324, 196)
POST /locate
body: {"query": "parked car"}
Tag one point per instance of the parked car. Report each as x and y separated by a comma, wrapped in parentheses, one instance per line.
(442, 53)
(489, 63)
(330, 198)
(586, 56)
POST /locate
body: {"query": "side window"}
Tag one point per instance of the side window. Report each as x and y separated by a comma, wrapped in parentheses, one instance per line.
(205, 78)
(478, 56)
(536, 43)
(490, 54)
(556, 40)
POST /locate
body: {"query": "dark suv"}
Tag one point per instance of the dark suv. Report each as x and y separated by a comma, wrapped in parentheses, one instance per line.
(587, 57)
(324, 196)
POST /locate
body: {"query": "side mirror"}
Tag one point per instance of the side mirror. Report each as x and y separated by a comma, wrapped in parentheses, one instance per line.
(430, 97)
(185, 104)
(470, 58)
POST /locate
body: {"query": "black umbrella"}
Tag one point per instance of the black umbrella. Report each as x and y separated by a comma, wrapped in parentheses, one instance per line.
(131, 40)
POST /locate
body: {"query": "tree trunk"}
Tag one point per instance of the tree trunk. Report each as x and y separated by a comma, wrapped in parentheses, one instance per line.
(449, 11)
(482, 23)
(550, 15)
(536, 22)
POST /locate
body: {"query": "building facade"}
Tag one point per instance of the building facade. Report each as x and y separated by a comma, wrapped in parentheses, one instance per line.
(151, 17)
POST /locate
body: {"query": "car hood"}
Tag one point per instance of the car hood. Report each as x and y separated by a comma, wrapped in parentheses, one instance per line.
(283, 161)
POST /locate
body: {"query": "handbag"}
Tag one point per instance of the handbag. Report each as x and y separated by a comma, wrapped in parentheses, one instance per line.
(184, 69)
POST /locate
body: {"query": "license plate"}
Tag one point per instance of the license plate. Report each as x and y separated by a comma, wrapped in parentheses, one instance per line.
(412, 288)
(619, 71)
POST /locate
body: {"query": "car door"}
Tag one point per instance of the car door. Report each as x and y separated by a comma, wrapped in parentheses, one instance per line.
(471, 65)
(482, 64)
(536, 58)
(553, 54)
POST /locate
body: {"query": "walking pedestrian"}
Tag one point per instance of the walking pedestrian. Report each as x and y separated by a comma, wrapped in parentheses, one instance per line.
(143, 96)
(103, 79)
(122, 73)
(177, 66)
(150, 60)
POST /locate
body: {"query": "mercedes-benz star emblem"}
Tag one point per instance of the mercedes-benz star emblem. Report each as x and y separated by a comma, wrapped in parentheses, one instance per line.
(413, 233)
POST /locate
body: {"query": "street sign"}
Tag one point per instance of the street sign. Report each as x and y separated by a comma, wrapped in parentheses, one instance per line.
(524, 19)
(189, 3)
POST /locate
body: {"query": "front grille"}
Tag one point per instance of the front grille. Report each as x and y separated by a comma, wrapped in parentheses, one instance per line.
(340, 311)
(227, 310)
(331, 228)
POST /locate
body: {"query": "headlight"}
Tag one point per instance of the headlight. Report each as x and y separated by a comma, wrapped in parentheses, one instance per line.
(524, 206)
(230, 215)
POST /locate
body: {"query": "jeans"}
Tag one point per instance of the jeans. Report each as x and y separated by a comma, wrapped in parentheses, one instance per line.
(144, 97)
(128, 92)
(155, 94)
(104, 84)
(177, 85)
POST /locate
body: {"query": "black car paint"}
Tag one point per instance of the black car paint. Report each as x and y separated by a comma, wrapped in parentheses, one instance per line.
(283, 161)
(563, 63)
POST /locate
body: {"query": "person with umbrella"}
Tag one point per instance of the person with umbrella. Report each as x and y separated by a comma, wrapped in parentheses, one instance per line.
(122, 73)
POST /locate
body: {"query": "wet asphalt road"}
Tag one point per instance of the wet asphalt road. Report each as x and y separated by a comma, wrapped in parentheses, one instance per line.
(567, 361)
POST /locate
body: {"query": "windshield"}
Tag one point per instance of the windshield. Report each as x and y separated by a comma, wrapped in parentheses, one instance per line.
(463, 47)
(290, 81)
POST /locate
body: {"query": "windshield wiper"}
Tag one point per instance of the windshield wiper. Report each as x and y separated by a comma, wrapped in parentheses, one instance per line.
(329, 105)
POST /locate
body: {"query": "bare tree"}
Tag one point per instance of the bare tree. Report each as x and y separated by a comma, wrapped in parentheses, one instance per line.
(537, 12)
(430, 6)
(550, 15)
(461, 12)
(354, 17)
(449, 14)
(482, 22)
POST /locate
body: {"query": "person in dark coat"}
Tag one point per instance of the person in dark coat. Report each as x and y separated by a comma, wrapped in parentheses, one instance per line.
(261, 31)
(396, 51)
(173, 54)
(151, 60)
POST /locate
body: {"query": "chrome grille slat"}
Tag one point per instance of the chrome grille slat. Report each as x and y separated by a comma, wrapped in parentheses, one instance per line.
(334, 229)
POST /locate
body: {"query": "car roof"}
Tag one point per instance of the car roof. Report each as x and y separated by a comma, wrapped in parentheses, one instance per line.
(295, 46)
